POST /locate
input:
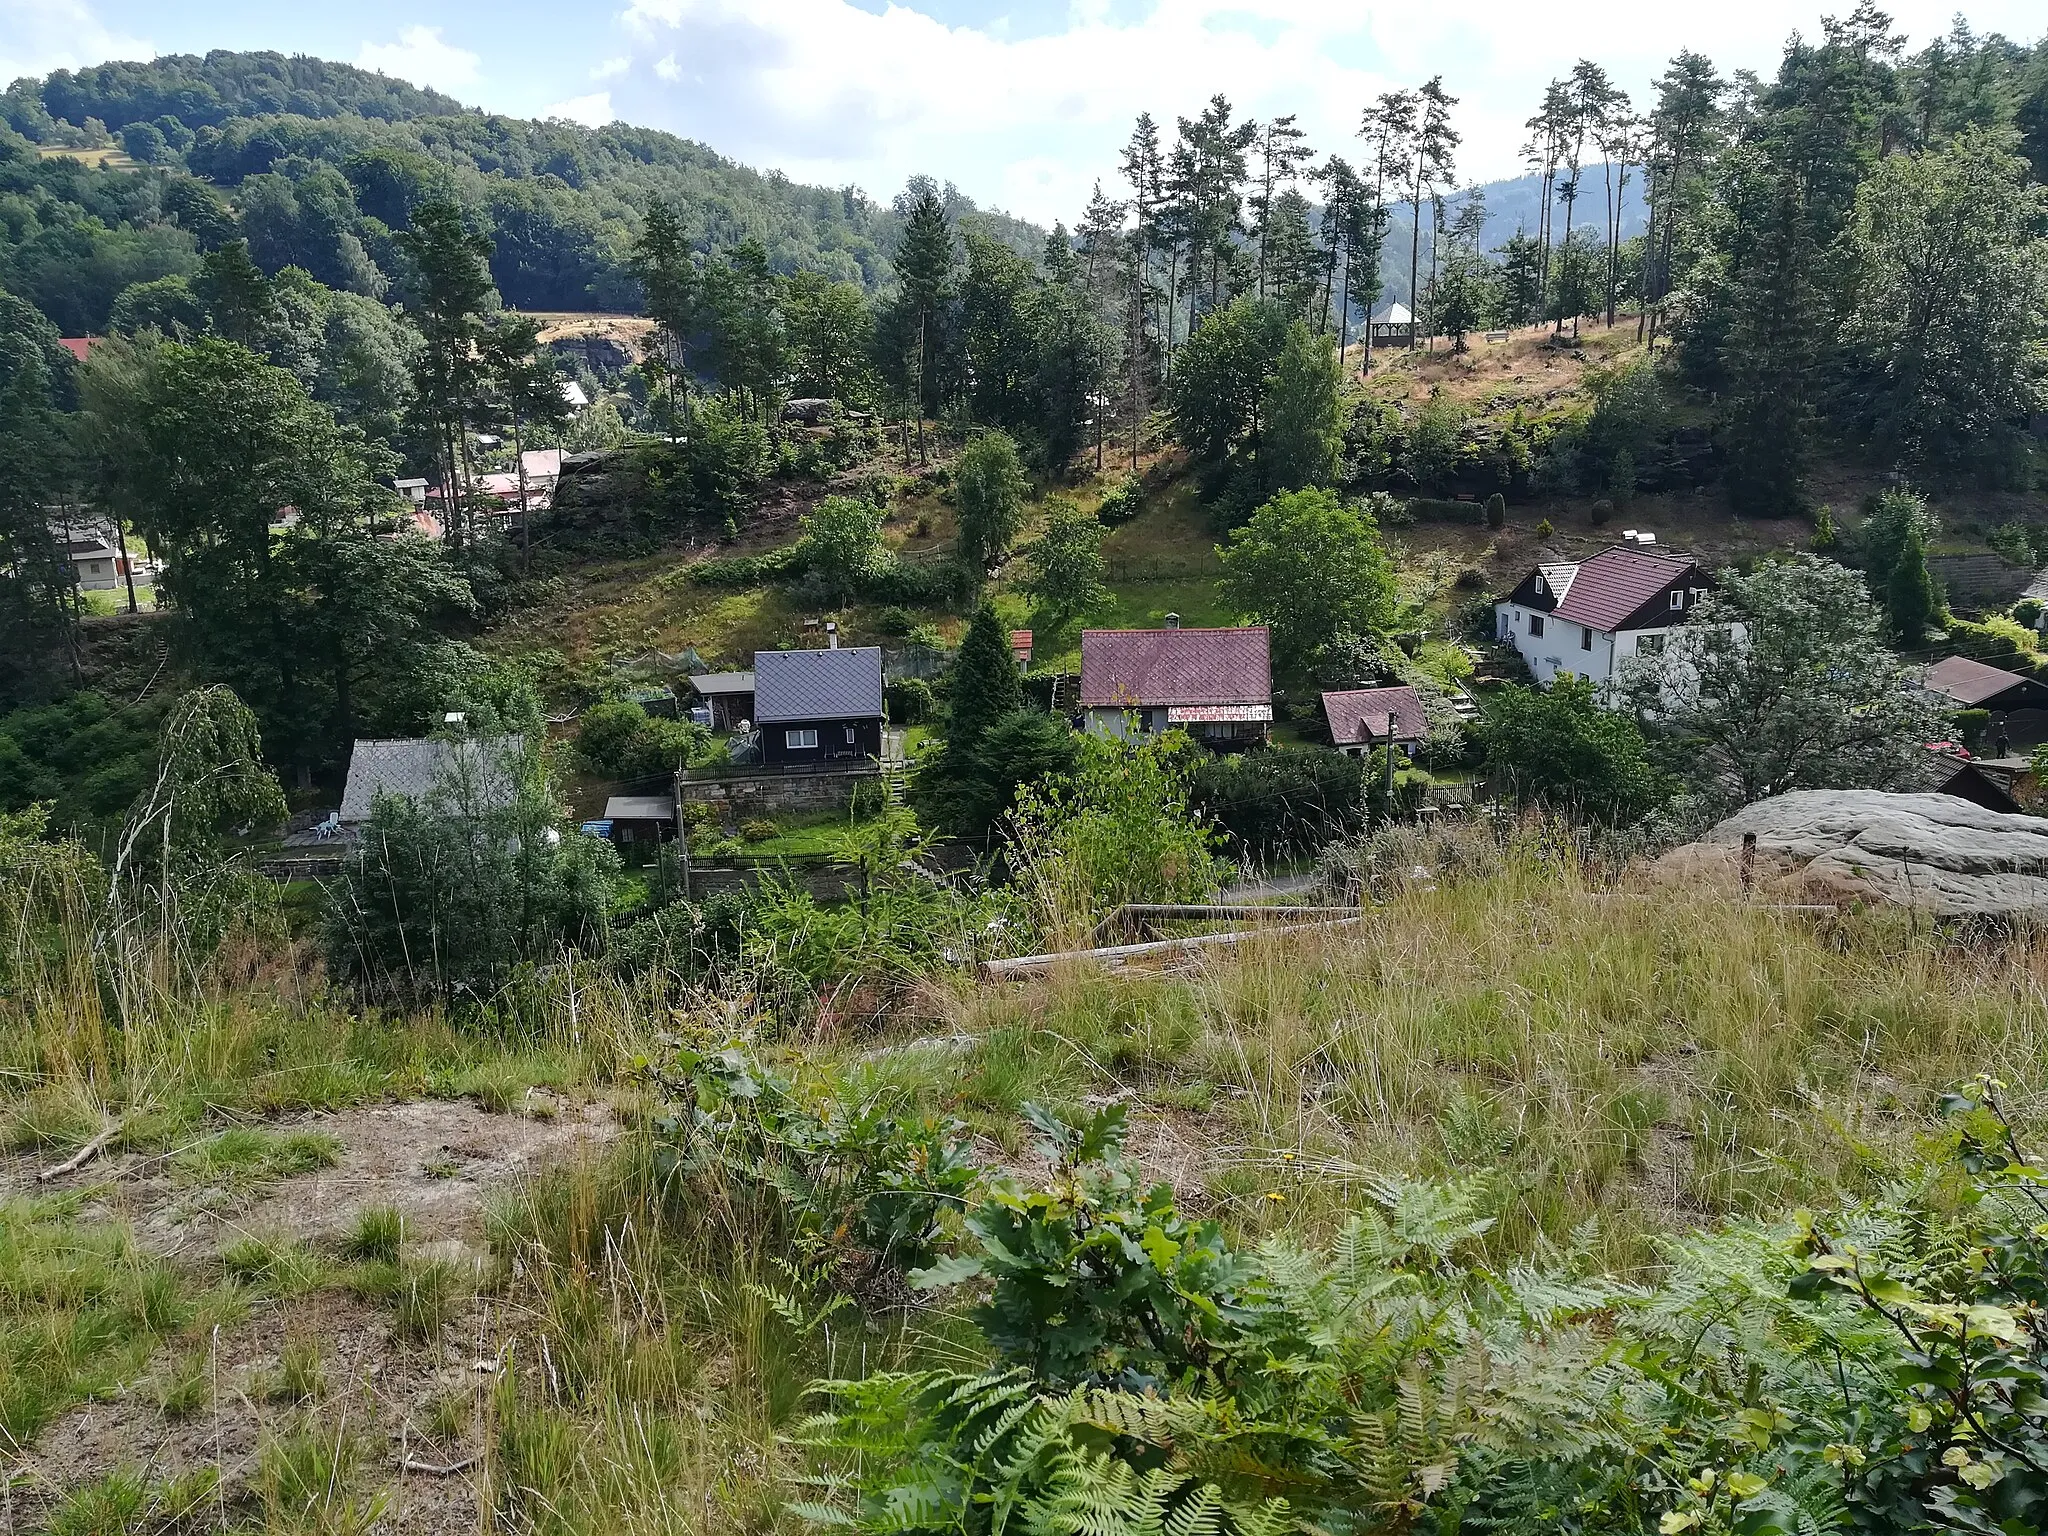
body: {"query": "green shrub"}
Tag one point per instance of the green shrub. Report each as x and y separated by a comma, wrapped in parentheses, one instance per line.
(909, 701)
(618, 739)
(742, 571)
(1971, 724)
(1496, 511)
(758, 830)
(1124, 502)
(1601, 512)
(1545, 529)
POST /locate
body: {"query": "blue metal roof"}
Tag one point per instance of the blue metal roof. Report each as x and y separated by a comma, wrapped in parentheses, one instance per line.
(843, 684)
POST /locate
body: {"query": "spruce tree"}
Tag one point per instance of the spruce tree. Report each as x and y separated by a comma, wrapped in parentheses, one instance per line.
(1909, 597)
(924, 264)
(984, 683)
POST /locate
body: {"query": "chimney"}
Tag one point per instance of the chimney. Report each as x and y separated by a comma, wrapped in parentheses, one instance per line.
(1173, 621)
(831, 635)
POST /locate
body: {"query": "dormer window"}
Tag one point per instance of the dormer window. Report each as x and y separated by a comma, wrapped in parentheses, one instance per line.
(1539, 586)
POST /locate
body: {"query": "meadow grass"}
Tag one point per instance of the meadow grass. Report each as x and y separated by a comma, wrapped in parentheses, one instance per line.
(1615, 1064)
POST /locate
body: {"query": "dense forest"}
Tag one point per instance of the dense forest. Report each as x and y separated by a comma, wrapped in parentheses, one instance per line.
(321, 161)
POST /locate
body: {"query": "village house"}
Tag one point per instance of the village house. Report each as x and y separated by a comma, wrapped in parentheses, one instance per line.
(1589, 618)
(474, 775)
(817, 707)
(1215, 684)
(2018, 705)
(1361, 719)
(97, 558)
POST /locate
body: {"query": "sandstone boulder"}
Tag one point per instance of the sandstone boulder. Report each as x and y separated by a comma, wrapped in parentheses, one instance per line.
(1933, 852)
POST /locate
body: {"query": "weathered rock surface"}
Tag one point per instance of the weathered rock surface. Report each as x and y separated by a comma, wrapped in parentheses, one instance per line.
(1933, 852)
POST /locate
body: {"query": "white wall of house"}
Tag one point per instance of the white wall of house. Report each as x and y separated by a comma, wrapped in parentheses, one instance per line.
(1598, 655)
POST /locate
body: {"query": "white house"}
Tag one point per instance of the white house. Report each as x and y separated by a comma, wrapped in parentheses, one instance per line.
(1589, 618)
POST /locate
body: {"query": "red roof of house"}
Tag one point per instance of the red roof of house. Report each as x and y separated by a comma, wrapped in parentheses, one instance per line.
(79, 346)
(1151, 667)
(1350, 710)
(1020, 639)
(1970, 682)
(1616, 582)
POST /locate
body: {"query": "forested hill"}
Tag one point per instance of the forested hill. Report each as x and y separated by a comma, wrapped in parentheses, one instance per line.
(321, 161)
(205, 92)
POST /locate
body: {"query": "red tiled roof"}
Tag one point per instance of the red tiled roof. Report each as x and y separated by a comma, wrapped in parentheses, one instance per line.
(79, 346)
(1152, 667)
(1970, 682)
(1020, 639)
(1348, 711)
(1616, 582)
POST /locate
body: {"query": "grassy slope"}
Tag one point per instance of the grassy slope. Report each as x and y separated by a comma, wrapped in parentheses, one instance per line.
(1614, 1068)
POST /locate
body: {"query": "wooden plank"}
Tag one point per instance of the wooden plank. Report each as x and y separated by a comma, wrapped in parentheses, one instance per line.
(1115, 956)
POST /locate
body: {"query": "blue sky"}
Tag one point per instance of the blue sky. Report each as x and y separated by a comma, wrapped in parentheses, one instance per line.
(1023, 104)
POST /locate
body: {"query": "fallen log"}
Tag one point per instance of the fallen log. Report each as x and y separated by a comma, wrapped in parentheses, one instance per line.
(1115, 956)
(1146, 912)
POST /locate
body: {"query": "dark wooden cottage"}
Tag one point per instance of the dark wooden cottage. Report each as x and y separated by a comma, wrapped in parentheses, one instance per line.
(818, 707)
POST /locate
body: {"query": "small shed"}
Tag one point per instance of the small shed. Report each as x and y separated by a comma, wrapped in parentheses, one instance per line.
(640, 822)
(1020, 649)
(728, 695)
(2018, 704)
(1946, 771)
(1360, 719)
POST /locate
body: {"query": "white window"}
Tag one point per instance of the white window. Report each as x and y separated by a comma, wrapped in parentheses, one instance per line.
(1585, 638)
(798, 741)
(849, 735)
(1650, 645)
(1539, 586)
(1678, 599)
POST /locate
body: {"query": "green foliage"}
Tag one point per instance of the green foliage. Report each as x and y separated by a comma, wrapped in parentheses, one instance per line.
(1825, 535)
(1496, 511)
(86, 756)
(1301, 418)
(968, 791)
(1560, 747)
(1809, 698)
(842, 544)
(1118, 829)
(909, 701)
(1951, 302)
(990, 486)
(1283, 802)
(852, 1174)
(1315, 571)
(448, 894)
(1220, 379)
(1896, 516)
(1065, 567)
(983, 682)
(619, 740)
(1910, 600)
(1126, 499)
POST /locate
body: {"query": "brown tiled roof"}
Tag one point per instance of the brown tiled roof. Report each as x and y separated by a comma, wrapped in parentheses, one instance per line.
(1348, 711)
(1970, 682)
(1616, 582)
(1152, 667)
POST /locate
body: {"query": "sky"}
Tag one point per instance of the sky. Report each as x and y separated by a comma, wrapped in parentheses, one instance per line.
(1023, 105)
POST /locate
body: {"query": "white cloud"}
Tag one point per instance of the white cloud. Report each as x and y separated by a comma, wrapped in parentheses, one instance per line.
(593, 111)
(424, 57)
(37, 36)
(831, 92)
(611, 67)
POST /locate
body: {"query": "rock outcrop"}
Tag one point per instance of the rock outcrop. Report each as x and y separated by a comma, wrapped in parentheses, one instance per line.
(1933, 852)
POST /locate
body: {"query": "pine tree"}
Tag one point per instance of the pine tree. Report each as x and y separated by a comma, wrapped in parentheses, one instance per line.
(1773, 343)
(451, 286)
(661, 259)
